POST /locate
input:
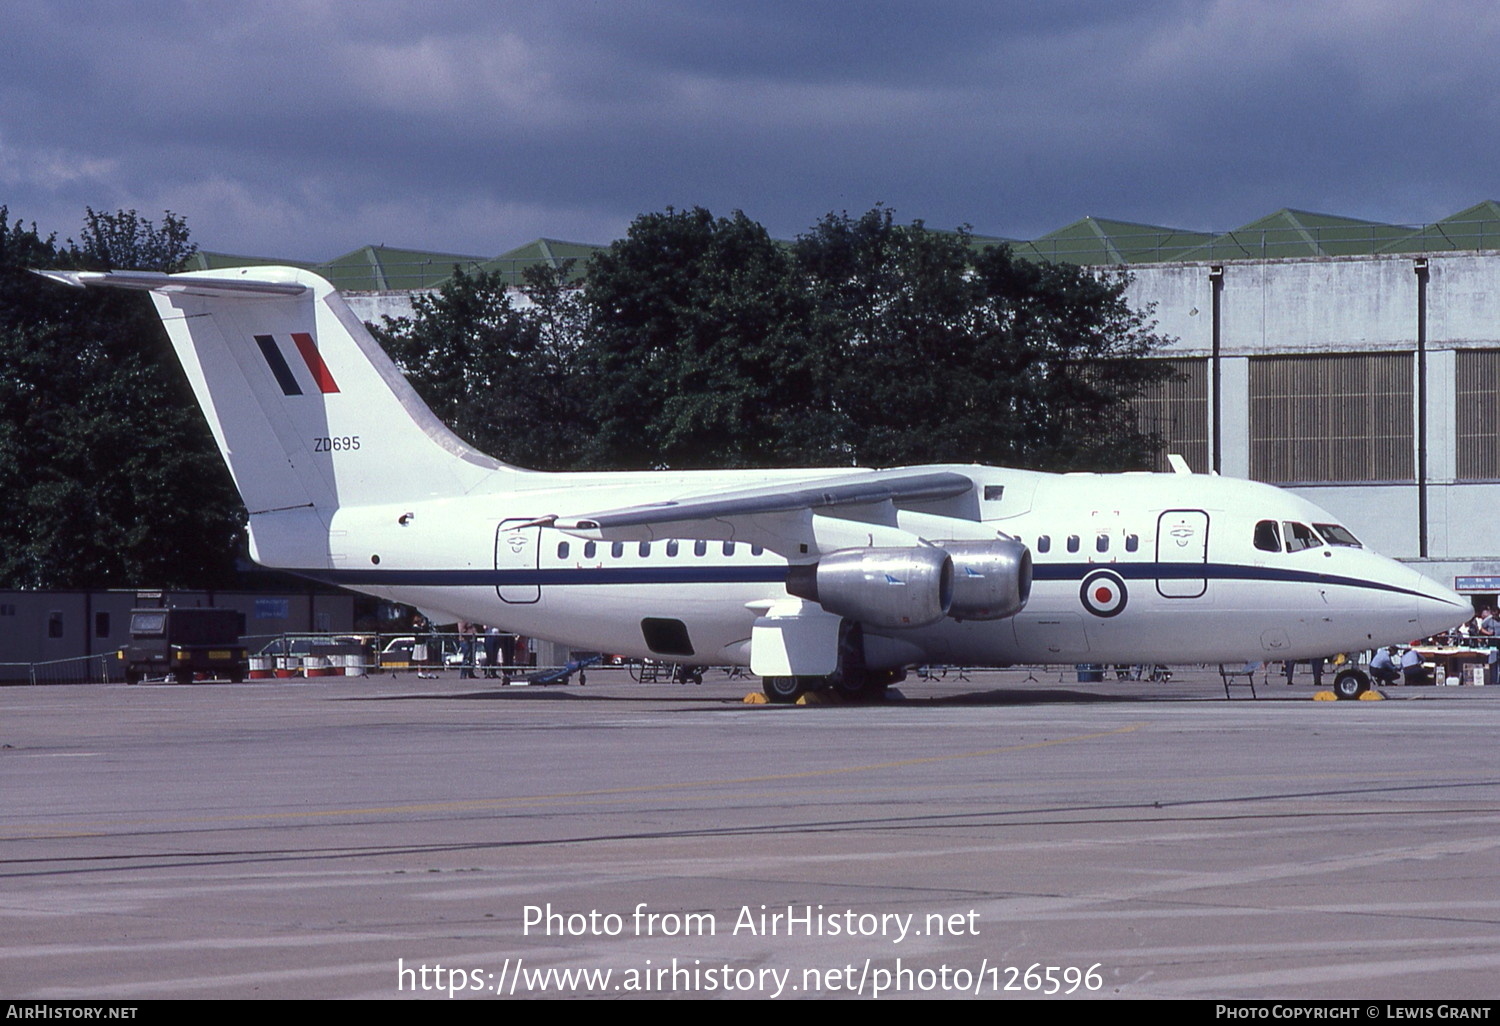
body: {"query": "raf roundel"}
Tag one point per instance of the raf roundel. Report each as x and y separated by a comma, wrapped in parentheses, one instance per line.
(1103, 593)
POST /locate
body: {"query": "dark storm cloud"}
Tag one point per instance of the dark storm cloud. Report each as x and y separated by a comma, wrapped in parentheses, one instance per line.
(309, 128)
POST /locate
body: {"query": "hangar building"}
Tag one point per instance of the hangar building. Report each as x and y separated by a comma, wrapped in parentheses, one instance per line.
(1357, 364)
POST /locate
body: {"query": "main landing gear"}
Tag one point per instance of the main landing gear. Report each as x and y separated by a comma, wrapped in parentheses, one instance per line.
(852, 681)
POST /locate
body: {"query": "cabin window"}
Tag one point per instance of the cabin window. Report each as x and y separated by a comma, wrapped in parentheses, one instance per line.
(562, 550)
(1334, 534)
(1072, 543)
(728, 548)
(1044, 543)
(617, 549)
(1101, 543)
(1267, 537)
(589, 550)
(672, 547)
(755, 550)
(643, 549)
(1300, 536)
(993, 493)
(1132, 542)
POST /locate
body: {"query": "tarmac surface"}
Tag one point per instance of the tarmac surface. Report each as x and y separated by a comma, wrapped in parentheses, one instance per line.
(996, 836)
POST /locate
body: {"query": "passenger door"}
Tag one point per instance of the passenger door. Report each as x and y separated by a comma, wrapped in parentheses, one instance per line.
(518, 549)
(1181, 553)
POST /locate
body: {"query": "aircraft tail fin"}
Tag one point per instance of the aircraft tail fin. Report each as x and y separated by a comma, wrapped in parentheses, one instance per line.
(307, 410)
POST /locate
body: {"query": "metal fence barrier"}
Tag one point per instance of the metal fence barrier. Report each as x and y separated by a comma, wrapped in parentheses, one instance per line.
(94, 669)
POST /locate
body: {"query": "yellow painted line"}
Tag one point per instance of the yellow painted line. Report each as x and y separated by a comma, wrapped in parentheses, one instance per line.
(497, 803)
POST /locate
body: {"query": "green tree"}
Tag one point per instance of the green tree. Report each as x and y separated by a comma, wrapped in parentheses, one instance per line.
(501, 374)
(1065, 357)
(108, 474)
(125, 240)
(703, 349)
(901, 299)
(949, 354)
(699, 341)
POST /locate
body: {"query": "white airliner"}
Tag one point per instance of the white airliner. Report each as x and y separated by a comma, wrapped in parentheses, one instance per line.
(805, 576)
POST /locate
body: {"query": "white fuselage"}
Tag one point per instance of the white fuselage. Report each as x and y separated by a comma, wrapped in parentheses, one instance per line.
(1173, 571)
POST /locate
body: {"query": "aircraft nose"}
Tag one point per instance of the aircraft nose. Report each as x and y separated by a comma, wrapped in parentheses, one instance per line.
(1439, 608)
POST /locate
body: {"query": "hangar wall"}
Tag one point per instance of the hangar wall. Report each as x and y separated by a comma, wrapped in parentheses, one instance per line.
(1332, 350)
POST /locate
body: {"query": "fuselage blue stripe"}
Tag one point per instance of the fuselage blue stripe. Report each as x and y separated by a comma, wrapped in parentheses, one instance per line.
(560, 576)
(776, 574)
(1209, 571)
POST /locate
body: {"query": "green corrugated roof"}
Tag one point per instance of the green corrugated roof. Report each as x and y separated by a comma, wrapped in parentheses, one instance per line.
(1478, 227)
(551, 252)
(1299, 233)
(384, 268)
(1091, 240)
(1094, 240)
(204, 260)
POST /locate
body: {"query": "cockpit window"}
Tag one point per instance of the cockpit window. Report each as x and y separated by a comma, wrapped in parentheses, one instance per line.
(1335, 534)
(1300, 536)
(1267, 536)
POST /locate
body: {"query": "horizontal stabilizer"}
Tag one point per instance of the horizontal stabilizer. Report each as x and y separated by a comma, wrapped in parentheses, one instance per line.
(155, 281)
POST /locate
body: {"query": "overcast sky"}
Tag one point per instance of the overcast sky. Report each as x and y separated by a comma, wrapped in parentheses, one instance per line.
(307, 128)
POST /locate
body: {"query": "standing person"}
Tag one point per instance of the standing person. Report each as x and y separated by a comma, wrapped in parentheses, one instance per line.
(1486, 634)
(422, 641)
(508, 655)
(492, 652)
(468, 634)
(1317, 670)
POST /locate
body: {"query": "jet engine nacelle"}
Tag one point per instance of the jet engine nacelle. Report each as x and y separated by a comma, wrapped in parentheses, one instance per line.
(991, 579)
(882, 587)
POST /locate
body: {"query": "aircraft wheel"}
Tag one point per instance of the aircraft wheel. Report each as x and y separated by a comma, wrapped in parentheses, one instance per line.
(865, 685)
(852, 685)
(782, 690)
(1350, 684)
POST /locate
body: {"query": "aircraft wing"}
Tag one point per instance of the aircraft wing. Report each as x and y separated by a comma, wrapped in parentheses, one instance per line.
(750, 512)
